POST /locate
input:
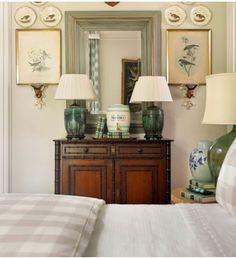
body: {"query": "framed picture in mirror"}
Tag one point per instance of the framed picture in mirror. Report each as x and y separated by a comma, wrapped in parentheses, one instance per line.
(131, 70)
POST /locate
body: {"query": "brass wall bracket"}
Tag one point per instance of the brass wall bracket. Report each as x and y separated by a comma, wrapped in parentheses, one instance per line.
(112, 4)
(39, 91)
(188, 94)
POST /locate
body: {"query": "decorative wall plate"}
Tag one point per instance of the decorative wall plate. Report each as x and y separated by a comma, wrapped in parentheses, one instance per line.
(25, 16)
(200, 15)
(50, 16)
(175, 15)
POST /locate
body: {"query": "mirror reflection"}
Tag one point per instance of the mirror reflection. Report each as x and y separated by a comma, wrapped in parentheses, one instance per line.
(125, 26)
(113, 65)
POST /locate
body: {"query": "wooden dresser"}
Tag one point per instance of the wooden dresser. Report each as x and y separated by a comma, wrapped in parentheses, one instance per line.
(118, 171)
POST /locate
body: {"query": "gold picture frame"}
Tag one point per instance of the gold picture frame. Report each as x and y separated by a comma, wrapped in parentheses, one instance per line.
(188, 56)
(38, 56)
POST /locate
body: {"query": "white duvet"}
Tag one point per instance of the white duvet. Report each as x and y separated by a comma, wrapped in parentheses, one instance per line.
(163, 230)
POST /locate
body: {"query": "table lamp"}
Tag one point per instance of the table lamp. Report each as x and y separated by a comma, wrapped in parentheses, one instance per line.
(152, 89)
(75, 87)
(220, 109)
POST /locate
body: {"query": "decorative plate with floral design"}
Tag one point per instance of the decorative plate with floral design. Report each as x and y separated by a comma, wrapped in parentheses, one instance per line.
(200, 15)
(175, 15)
(50, 16)
(25, 16)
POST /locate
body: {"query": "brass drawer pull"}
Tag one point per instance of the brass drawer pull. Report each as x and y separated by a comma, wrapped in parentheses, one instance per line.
(85, 150)
(140, 150)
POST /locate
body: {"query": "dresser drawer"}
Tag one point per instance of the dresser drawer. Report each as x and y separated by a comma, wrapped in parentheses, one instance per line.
(85, 150)
(140, 150)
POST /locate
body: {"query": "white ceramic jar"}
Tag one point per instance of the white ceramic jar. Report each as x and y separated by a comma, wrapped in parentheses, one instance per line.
(118, 118)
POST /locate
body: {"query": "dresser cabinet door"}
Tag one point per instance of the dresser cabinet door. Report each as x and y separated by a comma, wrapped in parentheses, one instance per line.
(139, 181)
(87, 177)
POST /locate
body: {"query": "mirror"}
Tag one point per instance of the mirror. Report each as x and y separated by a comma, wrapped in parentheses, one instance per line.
(108, 53)
(147, 23)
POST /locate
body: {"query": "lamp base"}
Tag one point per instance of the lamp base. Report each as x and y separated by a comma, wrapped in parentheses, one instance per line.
(75, 120)
(217, 152)
(153, 120)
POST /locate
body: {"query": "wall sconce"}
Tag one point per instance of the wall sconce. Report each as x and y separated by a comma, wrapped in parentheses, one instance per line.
(188, 94)
(39, 91)
(112, 4)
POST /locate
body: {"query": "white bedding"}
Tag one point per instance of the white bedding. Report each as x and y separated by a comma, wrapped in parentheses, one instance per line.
(163, 230)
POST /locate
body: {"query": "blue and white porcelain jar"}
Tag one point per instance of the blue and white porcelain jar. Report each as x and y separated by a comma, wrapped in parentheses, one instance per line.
(198, 162)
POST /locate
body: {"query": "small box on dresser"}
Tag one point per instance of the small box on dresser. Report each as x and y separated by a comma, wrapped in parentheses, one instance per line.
(125, 171)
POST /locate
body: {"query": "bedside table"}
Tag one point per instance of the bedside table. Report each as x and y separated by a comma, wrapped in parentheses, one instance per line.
(177, 198)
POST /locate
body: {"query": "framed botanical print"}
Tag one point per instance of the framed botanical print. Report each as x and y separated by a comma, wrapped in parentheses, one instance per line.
(38, 56)
(131, 70)
(188, 56)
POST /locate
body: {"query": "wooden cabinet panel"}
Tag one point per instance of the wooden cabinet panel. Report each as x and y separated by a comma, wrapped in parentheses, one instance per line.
(91, 178)
(139, 181)
(118, 171)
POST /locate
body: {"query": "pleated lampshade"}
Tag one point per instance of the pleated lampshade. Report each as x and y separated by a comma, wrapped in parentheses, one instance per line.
(151, 89)
(75, 86)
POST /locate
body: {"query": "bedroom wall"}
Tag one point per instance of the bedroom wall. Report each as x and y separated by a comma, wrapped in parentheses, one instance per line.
(33, 130)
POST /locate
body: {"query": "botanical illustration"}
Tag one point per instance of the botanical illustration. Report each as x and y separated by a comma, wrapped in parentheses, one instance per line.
(37, 59)
(187, 61)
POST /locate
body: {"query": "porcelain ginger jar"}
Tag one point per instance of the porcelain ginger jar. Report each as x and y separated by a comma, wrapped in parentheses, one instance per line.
(198, 162)
(118, 118)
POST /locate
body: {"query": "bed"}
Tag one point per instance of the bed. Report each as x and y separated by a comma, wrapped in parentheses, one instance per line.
(58, 225)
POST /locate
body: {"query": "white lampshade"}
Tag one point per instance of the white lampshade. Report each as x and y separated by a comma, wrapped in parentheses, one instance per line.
(75, 86)
(151, 89)
(220, 99)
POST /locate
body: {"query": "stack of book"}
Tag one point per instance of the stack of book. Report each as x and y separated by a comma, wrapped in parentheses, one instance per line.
(122, 135)
(101, 127)
(199, 191)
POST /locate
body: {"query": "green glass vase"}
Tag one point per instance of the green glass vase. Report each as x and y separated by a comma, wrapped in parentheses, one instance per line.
(217, 152)
(75, 120)
(153, 120)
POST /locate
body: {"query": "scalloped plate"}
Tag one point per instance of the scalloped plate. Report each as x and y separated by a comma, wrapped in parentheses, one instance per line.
(50, 16)
(175, 15)
(200, 15)
(25, 16)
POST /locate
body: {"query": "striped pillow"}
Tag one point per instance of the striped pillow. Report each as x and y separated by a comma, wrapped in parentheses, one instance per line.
(226, 185)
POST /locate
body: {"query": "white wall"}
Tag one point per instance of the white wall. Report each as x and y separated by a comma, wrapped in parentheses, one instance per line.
(33, 130)
(5, 85)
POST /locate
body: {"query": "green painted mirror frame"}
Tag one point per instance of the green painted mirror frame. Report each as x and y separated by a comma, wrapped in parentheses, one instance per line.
(147, 22)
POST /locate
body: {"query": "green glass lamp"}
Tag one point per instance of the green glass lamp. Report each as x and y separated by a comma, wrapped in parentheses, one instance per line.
(152, 89)
(75, 87)
(220, 109)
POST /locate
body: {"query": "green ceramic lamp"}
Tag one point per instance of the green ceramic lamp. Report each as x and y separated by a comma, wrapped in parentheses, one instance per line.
(220, 109)
(152, 89)
(75, 87)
